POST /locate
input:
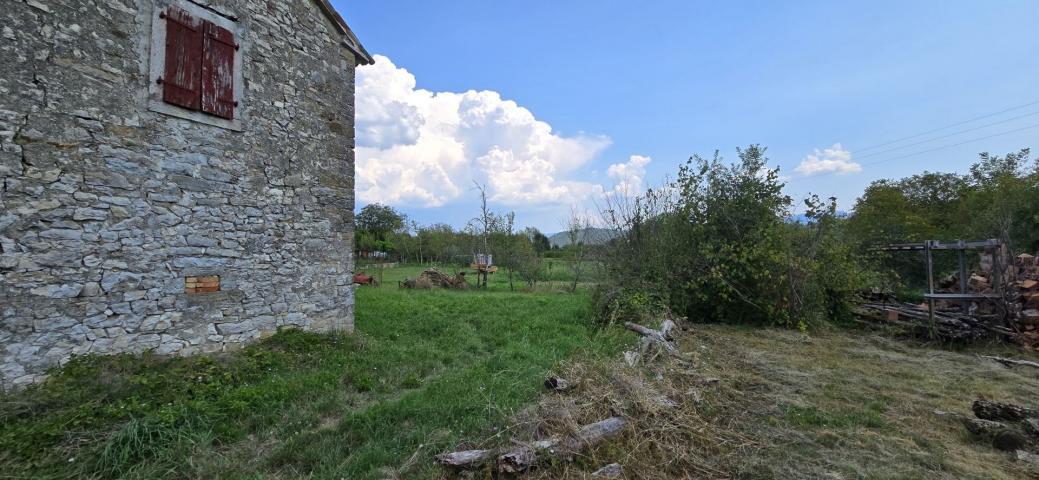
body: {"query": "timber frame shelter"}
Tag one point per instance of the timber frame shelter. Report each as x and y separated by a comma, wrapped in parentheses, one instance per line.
(993, 246)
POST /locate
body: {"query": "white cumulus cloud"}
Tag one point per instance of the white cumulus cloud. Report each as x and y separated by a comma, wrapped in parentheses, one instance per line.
(421, 148)
(630, 176)
(829, 160)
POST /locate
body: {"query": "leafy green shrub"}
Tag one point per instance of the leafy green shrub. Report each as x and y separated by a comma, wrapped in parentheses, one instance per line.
(614, 305)
(718, 244)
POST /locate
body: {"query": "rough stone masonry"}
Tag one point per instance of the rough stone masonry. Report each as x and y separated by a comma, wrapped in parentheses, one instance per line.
(126, 225)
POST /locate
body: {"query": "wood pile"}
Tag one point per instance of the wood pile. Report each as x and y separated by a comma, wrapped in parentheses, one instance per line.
(1025, 297)
(433, 278)
(947, 325)
(1012, 313)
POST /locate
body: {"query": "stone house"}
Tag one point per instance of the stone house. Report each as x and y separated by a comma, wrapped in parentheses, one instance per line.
(177, 176)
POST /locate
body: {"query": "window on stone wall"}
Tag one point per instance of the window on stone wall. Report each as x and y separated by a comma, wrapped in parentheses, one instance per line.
(195, 65)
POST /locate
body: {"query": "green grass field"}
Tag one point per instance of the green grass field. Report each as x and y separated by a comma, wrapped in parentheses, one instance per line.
(428, 371)
(424, 370)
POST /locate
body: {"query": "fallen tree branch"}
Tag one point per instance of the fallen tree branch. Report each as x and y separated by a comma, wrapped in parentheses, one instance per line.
(465, 458)
(612, 470)
(1009, 362)
(657, 336)
(527, 456)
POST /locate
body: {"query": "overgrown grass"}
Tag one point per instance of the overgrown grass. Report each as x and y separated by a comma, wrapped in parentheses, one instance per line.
(424, 370)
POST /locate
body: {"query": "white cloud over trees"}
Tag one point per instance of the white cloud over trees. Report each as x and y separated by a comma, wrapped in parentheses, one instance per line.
(423, 149)
(829, 160)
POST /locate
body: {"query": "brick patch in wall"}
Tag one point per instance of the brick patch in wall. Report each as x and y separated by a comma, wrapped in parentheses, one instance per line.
(202, 284)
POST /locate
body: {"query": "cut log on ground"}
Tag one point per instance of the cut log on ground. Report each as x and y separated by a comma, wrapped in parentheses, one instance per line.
(612, 470)
(988, 410)
(1010, 362)
(465, 458)
(528, 456)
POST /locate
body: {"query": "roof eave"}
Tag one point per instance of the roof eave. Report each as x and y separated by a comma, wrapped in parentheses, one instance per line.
(350, 42)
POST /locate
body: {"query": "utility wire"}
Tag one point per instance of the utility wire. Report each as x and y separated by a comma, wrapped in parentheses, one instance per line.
(871, 147)
(953, 134)
(1008, 132)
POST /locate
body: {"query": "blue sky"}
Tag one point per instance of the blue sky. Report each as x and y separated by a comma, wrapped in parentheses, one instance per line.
(667, 79)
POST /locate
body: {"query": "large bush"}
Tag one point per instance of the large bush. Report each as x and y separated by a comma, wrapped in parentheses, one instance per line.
(718, 244)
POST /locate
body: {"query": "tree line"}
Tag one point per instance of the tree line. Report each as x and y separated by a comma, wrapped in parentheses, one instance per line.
(721, 243)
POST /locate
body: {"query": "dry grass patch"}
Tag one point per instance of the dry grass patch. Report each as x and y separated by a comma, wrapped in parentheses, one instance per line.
(834, 405)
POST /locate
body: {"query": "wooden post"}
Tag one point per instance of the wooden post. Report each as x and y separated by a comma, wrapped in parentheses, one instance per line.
(997, 267)
(930, 285)
(963, 275)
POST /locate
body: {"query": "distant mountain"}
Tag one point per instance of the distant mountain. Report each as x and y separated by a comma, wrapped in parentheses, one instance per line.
(589, 236)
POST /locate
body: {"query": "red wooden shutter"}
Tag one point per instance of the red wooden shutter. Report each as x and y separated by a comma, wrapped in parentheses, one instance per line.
(182, 79)
(218, 72)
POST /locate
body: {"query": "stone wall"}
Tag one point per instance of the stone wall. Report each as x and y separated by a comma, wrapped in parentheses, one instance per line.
(108, 208)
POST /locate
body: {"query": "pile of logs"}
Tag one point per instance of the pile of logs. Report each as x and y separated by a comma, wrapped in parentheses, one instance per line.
(435, 278)
(1025, 293)
(1013, 313)
(947, 325)
(1005, 426)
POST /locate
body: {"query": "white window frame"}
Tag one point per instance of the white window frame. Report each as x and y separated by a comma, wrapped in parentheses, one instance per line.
(157, 66)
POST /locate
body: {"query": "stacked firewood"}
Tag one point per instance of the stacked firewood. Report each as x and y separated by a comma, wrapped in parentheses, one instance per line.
(948, 325)
(1025, 293)
(435, 278)
(1013, 311)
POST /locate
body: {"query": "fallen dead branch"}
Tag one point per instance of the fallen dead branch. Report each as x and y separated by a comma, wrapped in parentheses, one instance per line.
(662, 335)
(465, 458)
(650, 338)
(527, 456)
(612, 470)
(1009, 362)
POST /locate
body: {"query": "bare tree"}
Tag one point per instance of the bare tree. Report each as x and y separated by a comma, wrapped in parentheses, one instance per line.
(577, 227)
(483, 228)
